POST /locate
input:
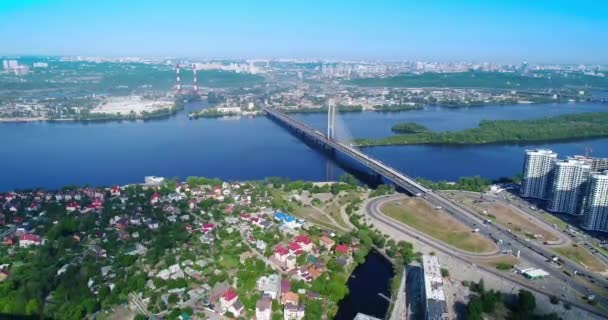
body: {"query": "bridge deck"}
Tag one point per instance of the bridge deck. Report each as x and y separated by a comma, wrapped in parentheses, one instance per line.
(398, 178)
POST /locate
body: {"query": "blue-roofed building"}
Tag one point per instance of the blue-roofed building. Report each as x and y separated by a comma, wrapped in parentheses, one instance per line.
(287, 220)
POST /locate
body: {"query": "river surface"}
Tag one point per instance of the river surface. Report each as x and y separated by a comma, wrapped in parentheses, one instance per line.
(366, 282)
(51, 154)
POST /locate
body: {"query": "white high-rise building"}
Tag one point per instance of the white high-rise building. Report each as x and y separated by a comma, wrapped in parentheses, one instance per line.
(538, 169)
(595, 210)
(10, 64)
(568, 185)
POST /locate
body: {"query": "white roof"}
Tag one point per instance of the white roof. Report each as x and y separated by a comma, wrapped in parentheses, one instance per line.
(433, 282)
(536, 273)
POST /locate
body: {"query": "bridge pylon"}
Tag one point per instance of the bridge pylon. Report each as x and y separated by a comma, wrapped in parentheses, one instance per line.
(331, 119)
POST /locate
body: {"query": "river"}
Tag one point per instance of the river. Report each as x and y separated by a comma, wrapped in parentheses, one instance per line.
(366, 282)
(52, 154)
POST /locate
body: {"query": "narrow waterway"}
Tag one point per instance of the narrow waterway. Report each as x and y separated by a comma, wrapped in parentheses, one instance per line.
(366, 283)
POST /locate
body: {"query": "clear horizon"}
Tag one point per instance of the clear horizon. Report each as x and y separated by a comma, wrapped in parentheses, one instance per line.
(563, 32)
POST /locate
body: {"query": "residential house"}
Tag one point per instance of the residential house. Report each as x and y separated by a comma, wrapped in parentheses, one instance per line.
(155, 198)
(295, 249)
(29, 239)
(342, 249)
(270, 286)
(228, 298)
(192, 204)
(207, 227)
(115, 191)
(293, 311)
(236, 308)
(304, 242)
(289, 297)
(287, 220)
(218, 290)
(326, 242)
(72, 206)
(263, 309)
(303, 274)
(281, 253)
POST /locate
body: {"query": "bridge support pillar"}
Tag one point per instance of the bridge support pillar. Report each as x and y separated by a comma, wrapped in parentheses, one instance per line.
(331, 119)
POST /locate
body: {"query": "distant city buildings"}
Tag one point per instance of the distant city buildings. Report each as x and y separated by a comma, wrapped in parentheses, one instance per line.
(14, 67)
(40, 65)
(568, 185)
(9, 64)
(538, 168)
(595, 213)
(577, 185)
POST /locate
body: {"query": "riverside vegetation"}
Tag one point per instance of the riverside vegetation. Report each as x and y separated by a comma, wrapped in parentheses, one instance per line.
(559, 128)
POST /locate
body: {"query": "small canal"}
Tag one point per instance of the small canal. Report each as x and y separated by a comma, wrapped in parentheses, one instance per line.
(367, 281)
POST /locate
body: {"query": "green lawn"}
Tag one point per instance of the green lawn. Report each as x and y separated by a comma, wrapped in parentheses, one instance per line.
(437, 224)
(582, 257)
(229, 261)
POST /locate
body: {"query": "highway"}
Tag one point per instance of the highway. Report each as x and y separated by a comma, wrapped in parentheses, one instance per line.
(529, 251)
(565, 283)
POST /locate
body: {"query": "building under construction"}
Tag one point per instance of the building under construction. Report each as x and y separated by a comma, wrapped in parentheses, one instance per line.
(435, 303)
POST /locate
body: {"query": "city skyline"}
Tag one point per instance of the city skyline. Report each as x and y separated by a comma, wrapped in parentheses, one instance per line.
(540, 32)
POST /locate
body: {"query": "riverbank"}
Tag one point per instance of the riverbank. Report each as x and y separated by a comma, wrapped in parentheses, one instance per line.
(554, 129)
(104, 117)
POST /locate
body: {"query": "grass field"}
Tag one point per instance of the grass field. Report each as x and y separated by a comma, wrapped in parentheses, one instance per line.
(314, 216)
(421, 216)
(507, 216)
(582, 257)
(493, 262)
(229, 261)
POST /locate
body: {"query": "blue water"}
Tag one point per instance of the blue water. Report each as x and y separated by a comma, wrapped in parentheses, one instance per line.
(366, 282)
(52, 155)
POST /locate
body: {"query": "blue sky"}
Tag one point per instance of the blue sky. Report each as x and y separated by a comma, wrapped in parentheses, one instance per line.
(502, 31)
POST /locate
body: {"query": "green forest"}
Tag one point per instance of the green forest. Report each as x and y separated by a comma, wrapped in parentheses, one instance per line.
(409, 127)
(559, 128)
(496, 80)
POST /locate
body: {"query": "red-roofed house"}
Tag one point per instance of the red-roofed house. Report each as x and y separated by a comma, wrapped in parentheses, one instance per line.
(342, 248)
(28, 239)
(7, 241)
(207, 227)
(245, 217)
(285, 285)
(115, 191)
(97, 203)
(228, 298)
(155, 198)
(72, 206)
(295, 248)
(229, 209)
(304, 242)
(33, 207)
(281, 253)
